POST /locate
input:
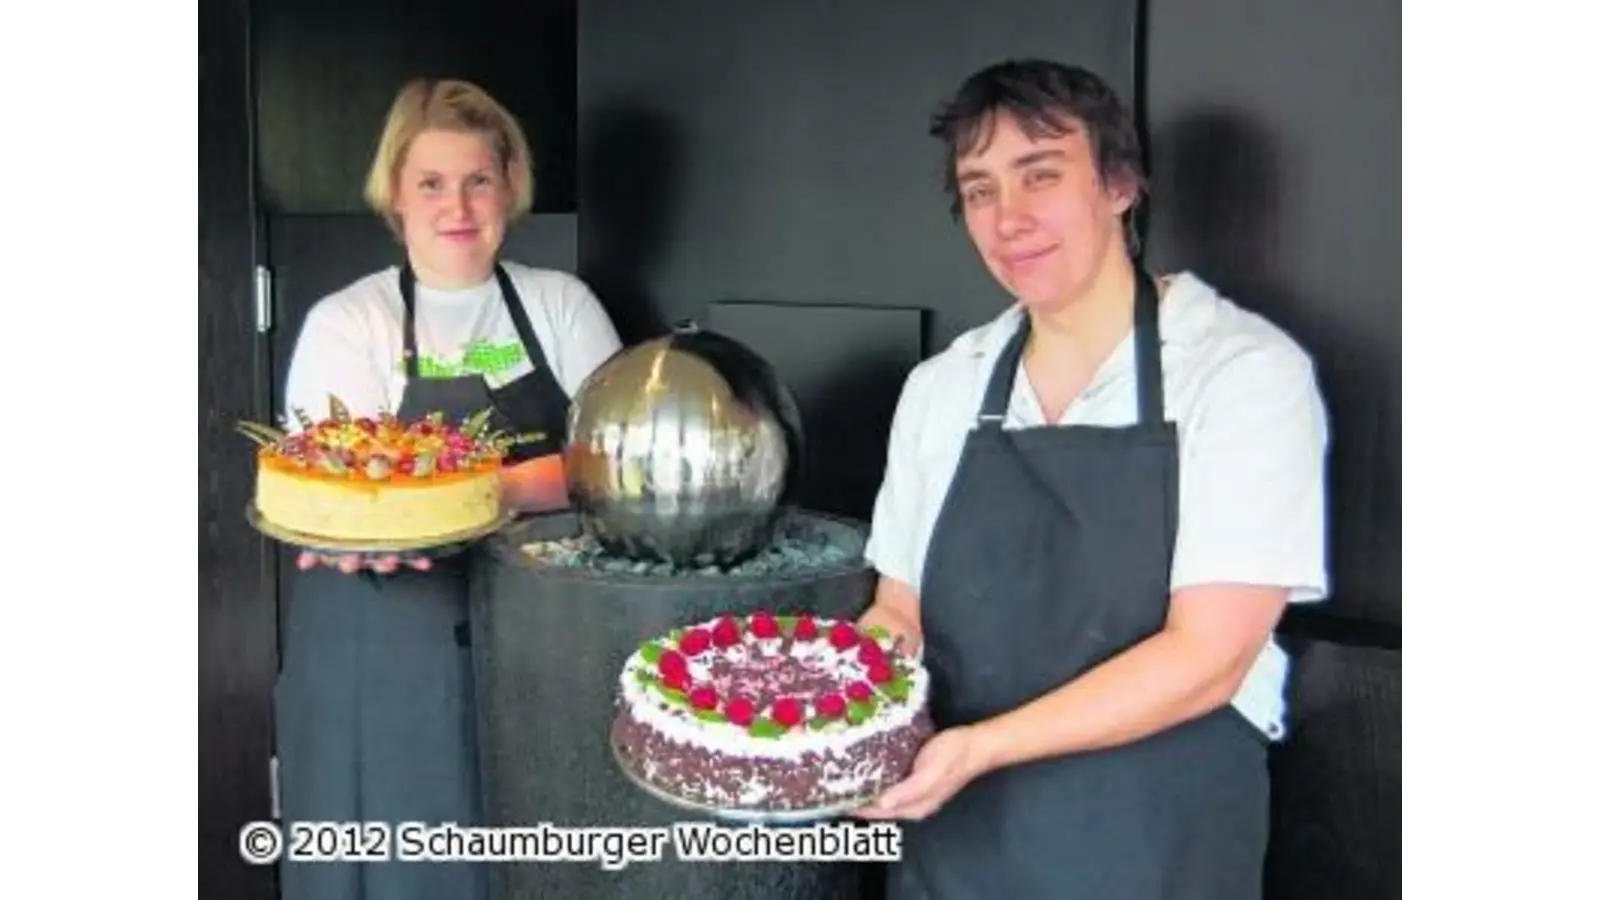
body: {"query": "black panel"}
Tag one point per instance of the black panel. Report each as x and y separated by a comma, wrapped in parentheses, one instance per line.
(329, 71)
(238, 653)
(1276, 151)
(1275, 135)
(846, 366)
(779, 151)
(1336, 780)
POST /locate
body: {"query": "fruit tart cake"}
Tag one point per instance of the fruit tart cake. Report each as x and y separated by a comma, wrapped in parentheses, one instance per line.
(771, 713)
(379, 479)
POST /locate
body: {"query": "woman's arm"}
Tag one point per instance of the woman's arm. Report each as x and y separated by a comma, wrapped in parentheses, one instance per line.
(584, 338)
(895, 603)
(1191, 667)
(536, 485)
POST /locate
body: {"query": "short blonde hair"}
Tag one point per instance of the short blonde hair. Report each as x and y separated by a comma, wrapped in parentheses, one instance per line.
(447, 105)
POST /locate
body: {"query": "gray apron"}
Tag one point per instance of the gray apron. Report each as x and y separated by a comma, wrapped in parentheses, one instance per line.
(375, 712)
(1052, 553)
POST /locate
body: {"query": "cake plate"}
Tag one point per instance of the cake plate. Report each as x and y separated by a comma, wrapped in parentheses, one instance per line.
(434, 546)
(835, 810)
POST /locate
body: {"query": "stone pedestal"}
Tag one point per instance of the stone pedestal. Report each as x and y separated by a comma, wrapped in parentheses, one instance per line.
(549, 641)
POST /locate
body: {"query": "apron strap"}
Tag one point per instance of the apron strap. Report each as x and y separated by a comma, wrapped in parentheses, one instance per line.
(408, 297)
(1147, 361)
(997, 396)
(519, 318)
(508, 295)
(1147, 350)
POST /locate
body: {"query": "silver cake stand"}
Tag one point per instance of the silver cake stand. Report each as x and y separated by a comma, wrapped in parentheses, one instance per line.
(805, 816)
(432, 545)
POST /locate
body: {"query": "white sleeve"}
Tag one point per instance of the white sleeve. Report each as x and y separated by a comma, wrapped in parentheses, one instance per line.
(890, 547)
(1252, 479)
(585, 335)
(336, 354)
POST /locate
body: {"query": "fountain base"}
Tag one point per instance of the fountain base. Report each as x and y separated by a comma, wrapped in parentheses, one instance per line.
(553, 620)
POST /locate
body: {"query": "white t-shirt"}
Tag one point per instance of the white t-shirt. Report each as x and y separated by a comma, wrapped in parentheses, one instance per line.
(1252, 437)
(352, 341)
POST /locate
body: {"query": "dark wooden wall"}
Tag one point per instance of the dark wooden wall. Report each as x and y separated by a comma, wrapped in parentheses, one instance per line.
(1275, 132)
(1275, 148)
(238, 624)
(329, 72)
(778, 153)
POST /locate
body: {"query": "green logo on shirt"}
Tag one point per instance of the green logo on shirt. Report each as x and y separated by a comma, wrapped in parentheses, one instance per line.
(478, 358)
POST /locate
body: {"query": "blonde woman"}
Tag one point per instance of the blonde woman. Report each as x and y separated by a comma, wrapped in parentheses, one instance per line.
(375, 716)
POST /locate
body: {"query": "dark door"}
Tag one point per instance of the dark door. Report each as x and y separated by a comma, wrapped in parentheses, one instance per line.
(238, 646)
(292, 96)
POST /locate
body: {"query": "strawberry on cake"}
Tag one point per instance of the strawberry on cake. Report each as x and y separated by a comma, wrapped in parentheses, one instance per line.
(768, 713)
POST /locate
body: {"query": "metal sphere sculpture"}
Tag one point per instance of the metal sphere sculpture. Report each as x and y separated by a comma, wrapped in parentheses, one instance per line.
(683, 449)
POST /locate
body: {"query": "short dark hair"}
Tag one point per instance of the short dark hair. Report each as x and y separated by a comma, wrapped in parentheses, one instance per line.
(1044, 97)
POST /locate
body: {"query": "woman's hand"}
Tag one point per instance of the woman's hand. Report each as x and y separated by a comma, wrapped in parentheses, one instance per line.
(906, 638)
(350, 563)
(895, 609)
(944, 766)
